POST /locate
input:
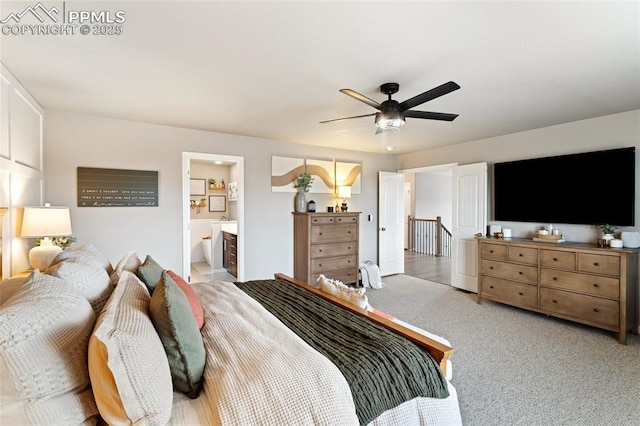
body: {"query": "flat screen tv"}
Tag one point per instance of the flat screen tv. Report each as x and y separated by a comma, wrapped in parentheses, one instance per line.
(588, 188)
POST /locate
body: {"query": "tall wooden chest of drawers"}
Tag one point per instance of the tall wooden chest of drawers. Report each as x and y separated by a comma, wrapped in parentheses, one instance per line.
(327, 244)
(578, 282)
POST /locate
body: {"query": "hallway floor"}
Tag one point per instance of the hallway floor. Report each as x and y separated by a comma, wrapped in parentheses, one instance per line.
(428, 267)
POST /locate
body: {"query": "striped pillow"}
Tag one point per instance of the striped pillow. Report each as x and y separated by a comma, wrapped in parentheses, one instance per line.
(354, 295)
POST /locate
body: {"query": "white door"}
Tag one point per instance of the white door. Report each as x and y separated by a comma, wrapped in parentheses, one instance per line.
(390, 223)
(469, 218)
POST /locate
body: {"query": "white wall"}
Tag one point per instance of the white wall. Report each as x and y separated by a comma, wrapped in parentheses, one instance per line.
(612, 131)
(73, 140)
(433, 196)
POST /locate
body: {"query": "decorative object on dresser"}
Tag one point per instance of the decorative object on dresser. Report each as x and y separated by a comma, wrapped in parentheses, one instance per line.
(575, 281)
(45, 222)
(344, 192)
(326, 243)
(303, 183)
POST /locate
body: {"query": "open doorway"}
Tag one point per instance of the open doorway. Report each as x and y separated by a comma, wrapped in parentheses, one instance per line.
(428, 195)
(213, 208)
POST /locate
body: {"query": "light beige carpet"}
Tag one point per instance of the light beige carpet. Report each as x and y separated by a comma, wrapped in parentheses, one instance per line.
(513, 367)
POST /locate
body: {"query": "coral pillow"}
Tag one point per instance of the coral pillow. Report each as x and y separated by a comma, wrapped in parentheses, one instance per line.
(192, 297)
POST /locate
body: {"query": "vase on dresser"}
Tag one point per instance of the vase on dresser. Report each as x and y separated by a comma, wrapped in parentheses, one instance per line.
(301, 202)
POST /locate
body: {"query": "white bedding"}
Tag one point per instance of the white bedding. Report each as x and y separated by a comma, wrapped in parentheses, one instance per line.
(259, 372)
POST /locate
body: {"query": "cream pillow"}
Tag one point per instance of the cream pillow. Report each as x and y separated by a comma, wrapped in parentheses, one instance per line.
(127, 363)
(354, 295)
(129, 262)
(86, 276)
(44, 335)
(86, 252)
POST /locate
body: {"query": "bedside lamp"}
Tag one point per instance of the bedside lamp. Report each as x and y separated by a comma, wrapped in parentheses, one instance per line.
(344, 192)
(45, 222)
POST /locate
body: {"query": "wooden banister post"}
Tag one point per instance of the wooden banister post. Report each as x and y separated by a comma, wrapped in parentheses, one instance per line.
(438, 236)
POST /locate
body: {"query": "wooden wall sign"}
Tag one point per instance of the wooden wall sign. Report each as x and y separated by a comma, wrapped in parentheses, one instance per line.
(117, 188)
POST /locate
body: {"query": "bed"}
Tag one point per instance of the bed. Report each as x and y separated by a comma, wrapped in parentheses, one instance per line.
(87, 342)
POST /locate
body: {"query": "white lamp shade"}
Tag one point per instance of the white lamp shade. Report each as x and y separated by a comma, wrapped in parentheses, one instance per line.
(344, 192)
(46, 222)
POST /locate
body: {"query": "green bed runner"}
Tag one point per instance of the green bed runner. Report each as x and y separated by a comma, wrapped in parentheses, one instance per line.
(383, 369)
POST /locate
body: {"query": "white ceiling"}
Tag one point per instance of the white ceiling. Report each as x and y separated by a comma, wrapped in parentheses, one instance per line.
(273, 69)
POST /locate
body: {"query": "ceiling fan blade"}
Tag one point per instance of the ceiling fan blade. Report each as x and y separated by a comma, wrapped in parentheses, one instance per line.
(436, 92)
(348, 118)
(431, 115)
(361, 98)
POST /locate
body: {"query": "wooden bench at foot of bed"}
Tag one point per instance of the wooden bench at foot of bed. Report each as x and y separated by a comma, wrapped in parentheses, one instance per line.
(438, 351)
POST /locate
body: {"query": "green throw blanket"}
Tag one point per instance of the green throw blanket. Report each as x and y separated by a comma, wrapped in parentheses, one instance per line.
(383, 369)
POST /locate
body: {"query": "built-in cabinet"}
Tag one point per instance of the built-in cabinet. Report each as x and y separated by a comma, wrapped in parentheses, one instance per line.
(230, 252)
(578, 282)
(326, 244)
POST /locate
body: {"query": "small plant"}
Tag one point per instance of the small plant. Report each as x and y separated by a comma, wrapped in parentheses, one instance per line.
(607, 229)
(62, 242)
(304, 181)
(212, 181)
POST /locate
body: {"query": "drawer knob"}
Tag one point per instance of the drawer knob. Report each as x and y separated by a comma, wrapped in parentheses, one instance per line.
(596, 310)
(490, 267)
(490, 286)
(520, 273)
(520, 254)
(319, 233)
(596, 285)
(555, 301)
(555, 259)
(596, 264)
(555, 278)
(320, 250)
(521, 293)
(348, 232)
(490, 251)
(320, 264)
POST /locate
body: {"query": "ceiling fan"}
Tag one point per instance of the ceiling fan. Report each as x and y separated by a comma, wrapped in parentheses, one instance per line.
(393, 113)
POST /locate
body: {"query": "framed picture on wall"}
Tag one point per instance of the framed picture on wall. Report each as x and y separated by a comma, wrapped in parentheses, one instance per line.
(233, 191)
(198, 187)
(217, 203)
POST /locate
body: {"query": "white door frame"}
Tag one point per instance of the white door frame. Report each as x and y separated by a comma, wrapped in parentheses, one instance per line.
(186, 210)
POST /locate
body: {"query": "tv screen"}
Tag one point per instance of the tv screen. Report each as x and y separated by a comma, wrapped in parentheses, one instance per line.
(589, 188)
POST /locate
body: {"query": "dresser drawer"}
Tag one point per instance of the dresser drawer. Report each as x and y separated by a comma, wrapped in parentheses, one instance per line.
(323, 220)
(346, 219)
(510, 292)
(592, 309)
(493, 251)
(333, 233)
(583, 283)
(333, 263)
(527, 274)
(523, 255)
(347, 276)
(599, 264)
(558, 259)
(335, 249)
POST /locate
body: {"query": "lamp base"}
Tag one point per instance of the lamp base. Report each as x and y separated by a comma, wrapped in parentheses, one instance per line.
(40, 257)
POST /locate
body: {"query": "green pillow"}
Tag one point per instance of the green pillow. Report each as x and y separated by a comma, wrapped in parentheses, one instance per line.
(150, 273)
(173, 319)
